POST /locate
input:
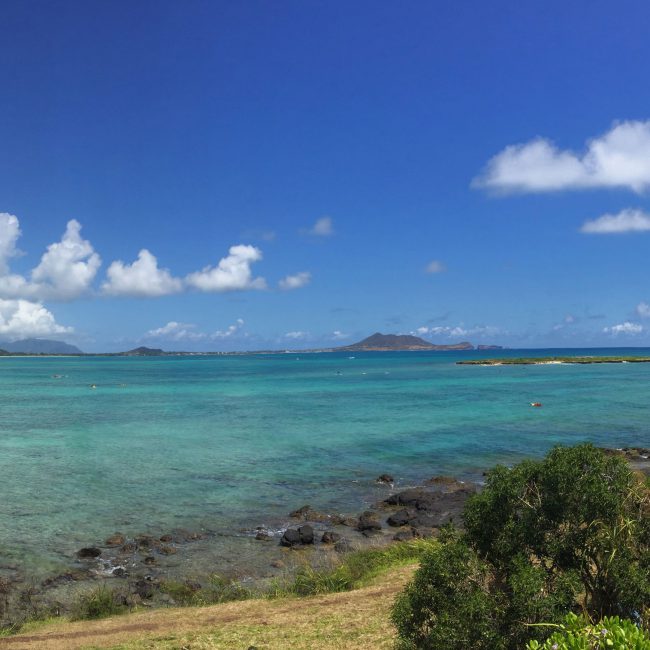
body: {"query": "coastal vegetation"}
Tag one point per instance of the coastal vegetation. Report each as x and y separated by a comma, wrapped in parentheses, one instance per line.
(569, 533)
(536, 361)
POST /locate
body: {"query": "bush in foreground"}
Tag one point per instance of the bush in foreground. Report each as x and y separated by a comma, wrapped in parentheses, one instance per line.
(612, 633)
(568, 533)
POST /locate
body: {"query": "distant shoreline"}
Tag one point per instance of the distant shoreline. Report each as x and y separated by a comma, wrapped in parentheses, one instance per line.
(543, 361)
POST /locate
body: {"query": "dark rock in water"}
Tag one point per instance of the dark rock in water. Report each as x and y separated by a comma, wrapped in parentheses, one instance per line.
(115, 540)
(128, 549)
(166, 538)
(418, 498)
(342, 546)
(404, 535)
(306, 533)
(150, 559)
(448, 482)
(89, 552)
(147, 541)
(144, 588)
(263, 536)
(368, 521)
(167, 550)
(291, 537)
(350, 522)
(400, 518)
(330, 538)
(307, 513)
(119, 572)
(298, 536)
(385, 478)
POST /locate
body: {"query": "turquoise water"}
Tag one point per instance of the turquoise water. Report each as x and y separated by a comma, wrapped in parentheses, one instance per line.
(229, 443)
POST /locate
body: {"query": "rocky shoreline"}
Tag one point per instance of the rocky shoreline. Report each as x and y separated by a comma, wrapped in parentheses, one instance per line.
(137, 566)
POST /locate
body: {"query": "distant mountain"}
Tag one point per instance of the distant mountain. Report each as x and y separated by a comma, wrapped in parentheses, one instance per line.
(386, 342)
(144, 352)
(40, 346)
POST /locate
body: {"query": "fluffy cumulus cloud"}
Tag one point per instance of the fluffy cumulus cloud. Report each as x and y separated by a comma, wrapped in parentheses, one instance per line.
(295, 281)
(233, 273)
(435, 266)
(625, 221)
(22, 318)
(66, 270)
(9, 234)
(323, 227)
(624, 328)
(620, 158)
(142, 279)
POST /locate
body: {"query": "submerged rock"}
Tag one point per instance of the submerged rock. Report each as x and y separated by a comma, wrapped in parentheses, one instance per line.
(89, 552)
(368, 521)
(117, 539)
(385, 478)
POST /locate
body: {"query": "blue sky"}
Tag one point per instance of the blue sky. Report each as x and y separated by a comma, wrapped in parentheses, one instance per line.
(305, 173)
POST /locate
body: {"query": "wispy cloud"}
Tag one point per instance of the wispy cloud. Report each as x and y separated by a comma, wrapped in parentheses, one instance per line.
(620, 158)
(296, 281)
(643, 310)
(624, 328)
(435, 266)
(323, 227)
(629, 220)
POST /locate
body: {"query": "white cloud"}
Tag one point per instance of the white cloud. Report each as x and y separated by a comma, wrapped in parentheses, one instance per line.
(295, 281)
(9, 234)
(143, 278)
(435, 266)
(628, 220)
(458, 331)
(624, 328)
(323, 227)
(175, 331)
(23, 319)
(337, 335)
(297, 335)
(620, 158)
(231, 331)
(643, 310)
(66, 270)
(233, 273)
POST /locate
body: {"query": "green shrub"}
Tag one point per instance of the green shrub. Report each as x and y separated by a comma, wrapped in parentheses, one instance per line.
(612, 633)
(99, 603)
(567, 533)
(449, 604)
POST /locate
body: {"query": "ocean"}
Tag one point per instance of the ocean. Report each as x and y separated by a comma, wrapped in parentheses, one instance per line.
(227, 443)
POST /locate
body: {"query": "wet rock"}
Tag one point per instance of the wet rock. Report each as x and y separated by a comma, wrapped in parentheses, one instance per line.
(147, 542)
(368, 521)
(165, 549)
(298, 536)
(149, 560)
(117, 539)
(307, 513)
(166, 538)
(119, 572)
(89, 552)
(264, 536)
(418, 498)
(400, 518)
(385, 478)
(128, 549)
(144, 588)
(447, 482)
(330, 537)
(291, 537)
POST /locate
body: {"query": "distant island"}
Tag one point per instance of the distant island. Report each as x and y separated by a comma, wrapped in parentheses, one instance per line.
(541, 361)
(37, 346)
(394, 342)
